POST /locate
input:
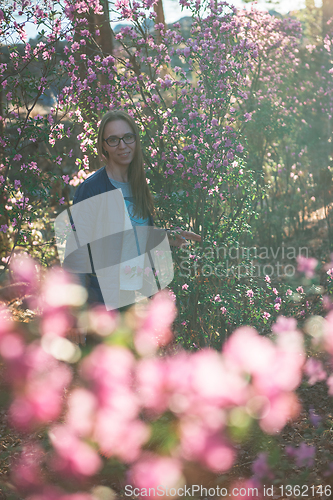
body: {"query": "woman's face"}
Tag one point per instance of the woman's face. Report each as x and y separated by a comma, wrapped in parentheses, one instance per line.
(123, 154)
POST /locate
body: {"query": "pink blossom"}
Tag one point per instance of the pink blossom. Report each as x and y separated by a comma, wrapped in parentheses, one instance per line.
(284, 325)
(306, 265)
(187, 51)
(223, 310)
(266, 315)
(4, 228)
(185, 286)
(25, 270)
(152, 471)
(279, 410)
(250, 293)
(41, 397)
(119, 436)
(73, 457)
(109, 371)
(155, 329)
(101, 321)
(267, 278)
(205, 446)
(314, 370)
(62, 201)
(153, 384)
(127, 269)
(82, 405)
(289, 292)
(300, 289)
(328, 333)
(26, 470)
(65, 178)
(208, 369)
(56, 323)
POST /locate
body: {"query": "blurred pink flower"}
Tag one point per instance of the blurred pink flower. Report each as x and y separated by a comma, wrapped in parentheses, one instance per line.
(119, 436)
(314, 370)
(328, 333)
(6, 322)
(40, 382)
(306, 265)
(26, 471)
(281, 409)
(248, 352)
(25, 270)
(215, 380)
(152, 471)
(284, 324)
(73, 457)
(56, 322)
(206, 447)
(152, 384)
(109, 372)
(101, 321)
(80, 416)
(155, 329)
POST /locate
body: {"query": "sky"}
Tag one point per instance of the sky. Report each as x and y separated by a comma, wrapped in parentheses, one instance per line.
(173, 11)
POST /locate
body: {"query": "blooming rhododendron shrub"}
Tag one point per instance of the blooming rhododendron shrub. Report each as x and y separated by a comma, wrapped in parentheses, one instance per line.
(203, 101)
(141, 418)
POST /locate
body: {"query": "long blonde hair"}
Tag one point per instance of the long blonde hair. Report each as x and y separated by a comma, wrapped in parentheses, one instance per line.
(143, 200)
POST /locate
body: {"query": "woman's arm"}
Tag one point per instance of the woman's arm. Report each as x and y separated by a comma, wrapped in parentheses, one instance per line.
(178, 237)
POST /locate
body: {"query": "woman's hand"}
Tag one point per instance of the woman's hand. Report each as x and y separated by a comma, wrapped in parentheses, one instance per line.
(178, 238)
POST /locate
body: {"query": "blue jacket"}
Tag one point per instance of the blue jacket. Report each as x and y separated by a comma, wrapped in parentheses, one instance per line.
(98, 184)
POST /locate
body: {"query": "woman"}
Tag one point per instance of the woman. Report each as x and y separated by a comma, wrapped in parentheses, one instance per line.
(112, 212)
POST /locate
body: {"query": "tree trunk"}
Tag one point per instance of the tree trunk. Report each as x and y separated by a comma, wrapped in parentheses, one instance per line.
(158, 8)
(327, 10)
(105, 38)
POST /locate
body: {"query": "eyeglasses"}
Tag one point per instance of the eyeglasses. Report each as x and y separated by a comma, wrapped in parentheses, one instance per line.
(114, 141)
